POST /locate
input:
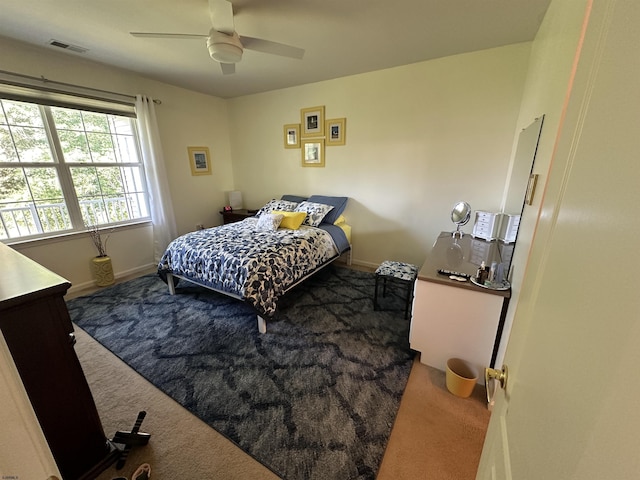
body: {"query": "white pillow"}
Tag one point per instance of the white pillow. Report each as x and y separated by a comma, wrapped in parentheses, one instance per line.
(269, 222)
(315, 212)
(283, 205)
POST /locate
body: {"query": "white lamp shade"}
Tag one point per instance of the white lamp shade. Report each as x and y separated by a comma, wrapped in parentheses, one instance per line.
(235, 200)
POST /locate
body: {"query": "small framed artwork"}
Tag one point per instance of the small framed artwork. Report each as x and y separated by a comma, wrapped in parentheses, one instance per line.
(199, 160)
(313, 152)
(336, 133)
(312, 120)
(292, 135)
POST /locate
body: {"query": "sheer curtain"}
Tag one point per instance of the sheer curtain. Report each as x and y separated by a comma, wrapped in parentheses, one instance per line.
(164, 223)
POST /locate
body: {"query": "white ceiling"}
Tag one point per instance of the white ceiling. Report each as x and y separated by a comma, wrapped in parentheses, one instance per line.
(340, 37)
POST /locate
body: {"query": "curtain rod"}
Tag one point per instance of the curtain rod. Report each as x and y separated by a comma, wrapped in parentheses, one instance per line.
(46, 80)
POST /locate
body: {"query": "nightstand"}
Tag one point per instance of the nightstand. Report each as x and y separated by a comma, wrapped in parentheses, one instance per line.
(236, 215)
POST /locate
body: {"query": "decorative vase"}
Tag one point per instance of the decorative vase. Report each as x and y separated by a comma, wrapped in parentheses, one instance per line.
(103, 271)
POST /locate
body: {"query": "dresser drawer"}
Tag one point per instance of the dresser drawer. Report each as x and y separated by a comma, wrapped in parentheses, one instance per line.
(486, 225)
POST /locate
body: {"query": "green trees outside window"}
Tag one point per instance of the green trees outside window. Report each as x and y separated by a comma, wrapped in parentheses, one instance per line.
(62, 169)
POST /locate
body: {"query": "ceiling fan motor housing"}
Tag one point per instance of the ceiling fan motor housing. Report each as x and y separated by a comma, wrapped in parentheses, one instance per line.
(224, 48)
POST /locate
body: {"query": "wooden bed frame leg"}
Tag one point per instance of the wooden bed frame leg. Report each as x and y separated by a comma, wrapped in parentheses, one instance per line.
(172, 287)
(262, 325)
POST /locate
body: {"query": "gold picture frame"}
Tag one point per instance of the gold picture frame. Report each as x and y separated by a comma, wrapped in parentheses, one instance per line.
(199, 160)
(312, 121)
(336, 131)
(292, 135)
(312, 152)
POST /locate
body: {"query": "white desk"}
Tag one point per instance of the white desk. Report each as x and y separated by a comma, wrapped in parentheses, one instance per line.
(454, 319)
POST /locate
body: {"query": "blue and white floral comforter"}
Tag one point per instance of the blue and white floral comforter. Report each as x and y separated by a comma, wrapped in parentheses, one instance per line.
(255, 265)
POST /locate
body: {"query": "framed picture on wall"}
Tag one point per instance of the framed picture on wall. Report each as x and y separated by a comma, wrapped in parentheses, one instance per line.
(335, 130)
(312, 120)
(292, 135)
(199, 160)
(313, 152)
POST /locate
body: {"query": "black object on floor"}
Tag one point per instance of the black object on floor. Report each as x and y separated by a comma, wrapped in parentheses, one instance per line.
(130, 439)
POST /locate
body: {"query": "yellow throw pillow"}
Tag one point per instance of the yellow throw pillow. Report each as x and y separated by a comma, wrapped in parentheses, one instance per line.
(291, 220)
(340, 220)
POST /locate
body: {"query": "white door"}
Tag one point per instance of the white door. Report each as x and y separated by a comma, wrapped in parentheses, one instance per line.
(572, 405)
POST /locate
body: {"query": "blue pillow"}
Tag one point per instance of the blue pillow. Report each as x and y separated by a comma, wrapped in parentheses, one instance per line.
(293, 198)
(338, 204)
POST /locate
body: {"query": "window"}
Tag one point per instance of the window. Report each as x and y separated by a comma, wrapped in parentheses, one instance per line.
(62, 169)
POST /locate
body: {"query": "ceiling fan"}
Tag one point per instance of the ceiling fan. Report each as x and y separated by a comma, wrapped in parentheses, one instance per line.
(223, 42)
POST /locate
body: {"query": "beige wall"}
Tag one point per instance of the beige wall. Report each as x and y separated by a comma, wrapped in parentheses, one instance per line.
(546, 89)
(419, 138)
(184, 117)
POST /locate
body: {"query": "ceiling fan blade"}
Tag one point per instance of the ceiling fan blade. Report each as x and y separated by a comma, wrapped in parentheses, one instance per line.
(275, 48)
(167, 35)
(228, 68)
(221, 14)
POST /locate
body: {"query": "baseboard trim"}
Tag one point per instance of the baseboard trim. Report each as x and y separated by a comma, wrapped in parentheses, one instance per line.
(367, 265)
(80, 288)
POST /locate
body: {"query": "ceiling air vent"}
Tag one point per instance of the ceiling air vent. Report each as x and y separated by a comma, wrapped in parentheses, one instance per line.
(67, 46)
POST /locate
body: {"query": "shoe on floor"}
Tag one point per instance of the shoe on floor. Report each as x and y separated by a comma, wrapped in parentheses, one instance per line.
(143, 472)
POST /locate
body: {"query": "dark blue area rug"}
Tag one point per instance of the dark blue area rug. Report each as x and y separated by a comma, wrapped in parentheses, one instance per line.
(313, 398)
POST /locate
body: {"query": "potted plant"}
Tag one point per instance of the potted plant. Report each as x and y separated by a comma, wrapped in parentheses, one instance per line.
(101, 264)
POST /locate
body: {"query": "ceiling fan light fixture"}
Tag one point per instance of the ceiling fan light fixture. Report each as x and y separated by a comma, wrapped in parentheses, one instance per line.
(224, 48)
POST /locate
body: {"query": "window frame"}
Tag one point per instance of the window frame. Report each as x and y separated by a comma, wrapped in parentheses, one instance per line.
(64, 168)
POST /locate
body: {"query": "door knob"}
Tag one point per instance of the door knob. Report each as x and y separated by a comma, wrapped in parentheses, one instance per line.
(491, 374)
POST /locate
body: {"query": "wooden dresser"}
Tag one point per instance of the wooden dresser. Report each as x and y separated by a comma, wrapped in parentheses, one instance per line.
(457, 319)
(39, 334)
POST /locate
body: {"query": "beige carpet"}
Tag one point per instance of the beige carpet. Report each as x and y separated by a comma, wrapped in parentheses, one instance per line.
(436, 436)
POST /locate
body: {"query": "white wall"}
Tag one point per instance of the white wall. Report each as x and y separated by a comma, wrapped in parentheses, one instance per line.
(546, 90)
(185, 119)
(419, 138)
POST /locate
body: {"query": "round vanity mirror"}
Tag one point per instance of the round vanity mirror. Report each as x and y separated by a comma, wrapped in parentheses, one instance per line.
(460, 215)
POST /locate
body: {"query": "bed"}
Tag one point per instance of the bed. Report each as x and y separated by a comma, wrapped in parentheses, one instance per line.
(261, 258)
